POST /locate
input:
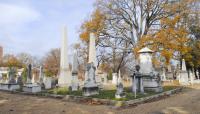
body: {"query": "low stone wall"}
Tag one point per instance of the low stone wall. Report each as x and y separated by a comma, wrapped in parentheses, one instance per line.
(97, 101)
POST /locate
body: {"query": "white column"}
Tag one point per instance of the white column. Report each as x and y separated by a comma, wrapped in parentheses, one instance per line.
(65, 76)
(92, 49)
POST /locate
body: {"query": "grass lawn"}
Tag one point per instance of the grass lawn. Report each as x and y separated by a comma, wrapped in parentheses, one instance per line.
(108, 94)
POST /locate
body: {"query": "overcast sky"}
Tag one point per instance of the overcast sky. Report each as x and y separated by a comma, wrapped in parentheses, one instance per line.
(34, 26)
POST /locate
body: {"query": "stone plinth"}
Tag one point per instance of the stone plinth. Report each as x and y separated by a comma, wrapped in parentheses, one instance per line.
(31, 88)
(9, 87)
(151, 84)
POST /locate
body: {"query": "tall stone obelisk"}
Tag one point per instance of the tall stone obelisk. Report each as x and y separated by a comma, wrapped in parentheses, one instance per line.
(92, 49)
(65, 73)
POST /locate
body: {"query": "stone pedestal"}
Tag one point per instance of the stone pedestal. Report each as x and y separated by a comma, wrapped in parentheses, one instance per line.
(9, 87)
(152, 84)
(32, 88)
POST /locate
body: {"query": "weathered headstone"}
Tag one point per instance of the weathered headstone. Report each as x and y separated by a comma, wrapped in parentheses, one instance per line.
(11, 84)
(12, 74)
(90, 85)
(120, 91)
(64, 79)
(137, 78)
(41, 75)
(183, 76)
(47, 82)
(74, 82)
(31, 87)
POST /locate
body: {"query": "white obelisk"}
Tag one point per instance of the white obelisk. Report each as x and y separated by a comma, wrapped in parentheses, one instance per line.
(65, 74)
(92, 49)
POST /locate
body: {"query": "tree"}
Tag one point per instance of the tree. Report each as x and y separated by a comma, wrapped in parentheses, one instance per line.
(130, 20)
(52, 62)
(95, 24)
(11, 61)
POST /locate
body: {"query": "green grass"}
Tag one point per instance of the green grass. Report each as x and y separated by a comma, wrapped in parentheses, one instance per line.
(108, 94)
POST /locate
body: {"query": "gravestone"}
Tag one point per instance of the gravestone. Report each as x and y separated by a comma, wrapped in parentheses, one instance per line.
(64, 79)
(12, 74)
(20, 81)
(74, 82)
(47, 82)
(151, 79)
(163, 76)
(137, 78)
(120, 91)
(28, 86)
(41, 78)
(183, 75)
(90, 86)
(191, 77)
(11, 84)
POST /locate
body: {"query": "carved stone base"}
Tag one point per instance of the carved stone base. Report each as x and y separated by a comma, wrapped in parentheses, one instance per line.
(32, 88)
(9, 87)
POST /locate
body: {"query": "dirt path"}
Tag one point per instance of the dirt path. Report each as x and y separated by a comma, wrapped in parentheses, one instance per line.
(187, 102)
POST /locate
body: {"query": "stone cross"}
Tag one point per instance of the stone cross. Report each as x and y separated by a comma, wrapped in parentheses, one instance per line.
(65, 75)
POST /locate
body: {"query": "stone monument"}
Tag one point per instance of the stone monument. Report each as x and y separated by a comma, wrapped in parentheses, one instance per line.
(151, 79)
(29, 86)
(137, 78)
(90, 85)
(183, 75)
(64, 79)
(11, 84)
(74, 82)
(120, 91)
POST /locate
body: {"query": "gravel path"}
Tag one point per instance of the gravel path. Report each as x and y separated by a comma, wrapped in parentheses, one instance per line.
(186, 102)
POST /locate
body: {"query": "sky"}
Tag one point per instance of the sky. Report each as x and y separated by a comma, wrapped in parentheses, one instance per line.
(35, 26)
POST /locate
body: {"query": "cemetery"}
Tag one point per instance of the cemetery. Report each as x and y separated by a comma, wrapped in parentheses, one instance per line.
(126, 57)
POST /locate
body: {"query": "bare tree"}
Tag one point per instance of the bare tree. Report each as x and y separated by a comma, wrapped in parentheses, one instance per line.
(52, 62)
(129, 20)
